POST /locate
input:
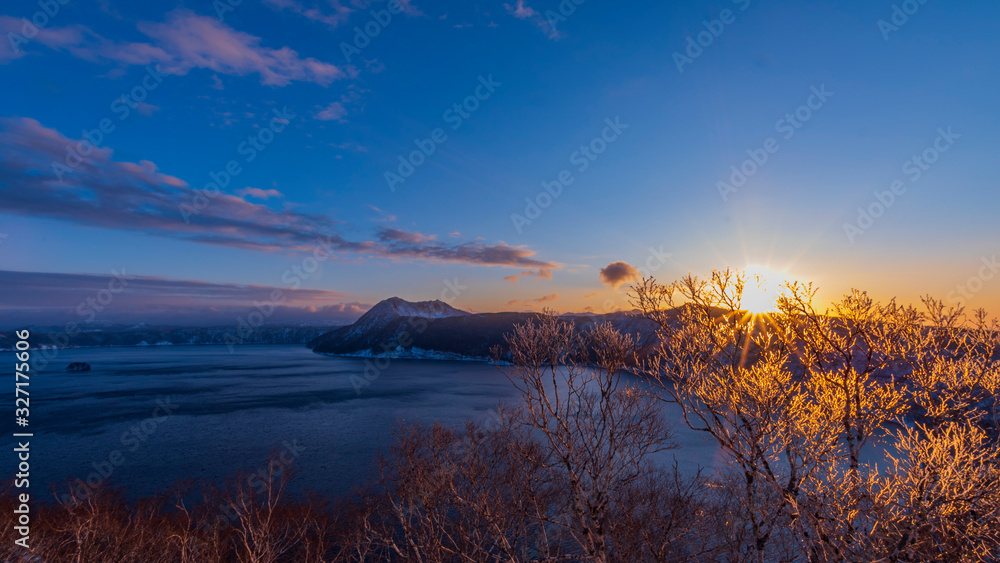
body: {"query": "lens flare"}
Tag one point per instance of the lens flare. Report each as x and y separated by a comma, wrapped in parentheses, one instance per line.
(762, 288)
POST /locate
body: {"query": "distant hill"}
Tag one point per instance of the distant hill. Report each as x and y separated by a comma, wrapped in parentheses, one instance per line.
(432, 329)
(55, 337)
(393, 327)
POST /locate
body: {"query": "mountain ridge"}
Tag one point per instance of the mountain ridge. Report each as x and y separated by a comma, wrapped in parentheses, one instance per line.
(403, 329)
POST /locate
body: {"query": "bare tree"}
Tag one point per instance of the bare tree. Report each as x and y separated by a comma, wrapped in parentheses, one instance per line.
(864, 432)
(567, 473)
(804, 403)
(597, 431)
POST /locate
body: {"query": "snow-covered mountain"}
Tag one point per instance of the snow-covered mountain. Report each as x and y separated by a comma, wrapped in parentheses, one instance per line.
(390, 310)
(432, 329)
(394, 306)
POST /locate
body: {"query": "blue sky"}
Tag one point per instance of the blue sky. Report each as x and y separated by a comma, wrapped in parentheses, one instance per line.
(556, 82)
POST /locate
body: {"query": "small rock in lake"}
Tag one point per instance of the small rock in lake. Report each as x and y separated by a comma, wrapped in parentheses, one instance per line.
(78, 366)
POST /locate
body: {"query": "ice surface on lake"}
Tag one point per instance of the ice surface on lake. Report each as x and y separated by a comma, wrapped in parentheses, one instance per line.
(233, 409)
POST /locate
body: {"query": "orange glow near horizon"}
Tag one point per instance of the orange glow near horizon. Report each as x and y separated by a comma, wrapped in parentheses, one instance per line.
(762, 288)
(765, 283)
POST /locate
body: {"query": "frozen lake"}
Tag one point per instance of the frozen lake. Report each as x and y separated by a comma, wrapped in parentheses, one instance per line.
(228, 411)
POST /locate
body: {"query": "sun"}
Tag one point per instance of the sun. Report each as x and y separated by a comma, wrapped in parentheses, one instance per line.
(762, 288)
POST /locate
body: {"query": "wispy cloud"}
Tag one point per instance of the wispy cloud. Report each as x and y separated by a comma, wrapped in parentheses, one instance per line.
(409, 9)
(258, 193)
(333, 12)
(183, 42)
(542, 273)
(399, 244)
(337, 15)
(522, 11)
(102, 192)
(383, 217)
(332, 112)
(146, 109)
(542, 299)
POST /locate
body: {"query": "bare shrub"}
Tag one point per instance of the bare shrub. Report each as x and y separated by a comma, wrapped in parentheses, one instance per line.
(95, 525)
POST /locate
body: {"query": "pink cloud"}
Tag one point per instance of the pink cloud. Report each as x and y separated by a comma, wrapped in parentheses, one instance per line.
(258, 193)
(398, 244)
(195, 41)
(16, 43)
(146, 109)
(187, 41)
(332, 112)
(409, 9)
(374, 65)
(399, 236)
(541, 273)
(383, 217)
(522, 11)
(339, 15)
(100, 192)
